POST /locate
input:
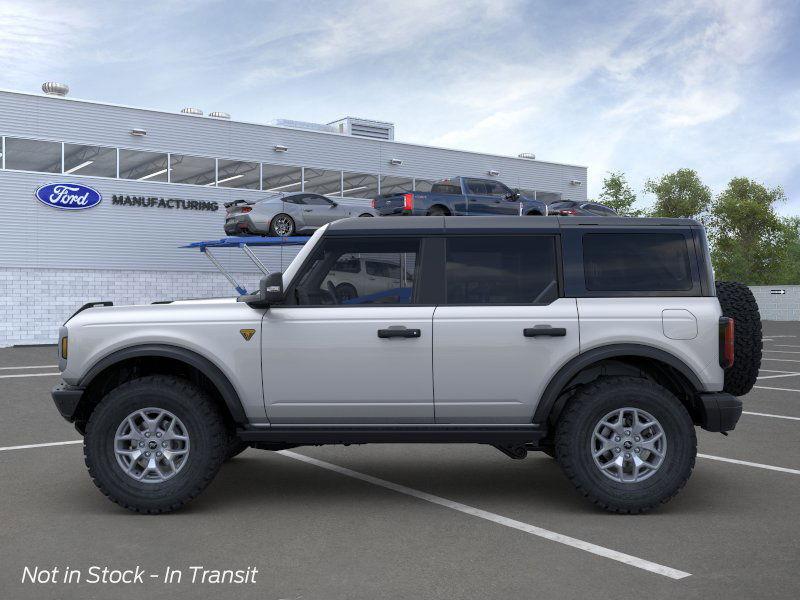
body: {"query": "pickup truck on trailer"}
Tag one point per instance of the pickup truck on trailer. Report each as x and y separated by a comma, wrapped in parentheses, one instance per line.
(600, 341)
(461, 196)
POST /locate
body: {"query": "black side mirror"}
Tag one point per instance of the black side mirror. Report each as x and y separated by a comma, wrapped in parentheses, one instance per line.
(270, 291)
(334, 204)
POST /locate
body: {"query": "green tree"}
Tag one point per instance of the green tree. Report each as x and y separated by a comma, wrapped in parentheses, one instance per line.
(750, 242)
(617, 194)
(679, 195)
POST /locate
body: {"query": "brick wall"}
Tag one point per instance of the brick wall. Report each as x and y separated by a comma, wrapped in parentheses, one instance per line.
(778, 307)
(35, 302)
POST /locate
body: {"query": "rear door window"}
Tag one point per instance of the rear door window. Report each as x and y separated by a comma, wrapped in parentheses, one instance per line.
(636, 262)
(501, 270)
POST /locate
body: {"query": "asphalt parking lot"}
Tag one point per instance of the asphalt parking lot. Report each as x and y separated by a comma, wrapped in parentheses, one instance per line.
(412, 521)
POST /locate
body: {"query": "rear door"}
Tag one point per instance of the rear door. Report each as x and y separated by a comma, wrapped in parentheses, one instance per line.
(503, 330)
(346, 349)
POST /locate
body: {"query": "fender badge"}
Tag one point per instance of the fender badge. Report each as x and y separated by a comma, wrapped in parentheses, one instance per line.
(247, 333)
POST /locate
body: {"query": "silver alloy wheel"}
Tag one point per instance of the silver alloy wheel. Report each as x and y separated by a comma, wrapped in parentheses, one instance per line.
(282, 225)
(151, 445)
(628, 445)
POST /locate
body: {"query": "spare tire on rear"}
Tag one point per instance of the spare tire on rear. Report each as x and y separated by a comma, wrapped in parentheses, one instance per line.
(738, 302)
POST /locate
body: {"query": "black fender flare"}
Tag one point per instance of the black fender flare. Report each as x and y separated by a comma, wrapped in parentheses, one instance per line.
(588, 358)
(190, 357)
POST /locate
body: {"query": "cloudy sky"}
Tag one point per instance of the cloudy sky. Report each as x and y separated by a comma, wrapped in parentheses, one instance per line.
(641, 87)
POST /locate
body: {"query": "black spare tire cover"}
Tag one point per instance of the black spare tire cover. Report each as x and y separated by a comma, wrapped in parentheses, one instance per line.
(738, 302)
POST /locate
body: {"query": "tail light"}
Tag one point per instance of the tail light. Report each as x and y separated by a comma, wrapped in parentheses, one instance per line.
(727, 336)
(372, 203)
(246, 209)
(408, 202)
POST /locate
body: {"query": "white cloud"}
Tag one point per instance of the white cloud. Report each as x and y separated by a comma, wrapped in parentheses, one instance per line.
(35, 38)
(343, 33)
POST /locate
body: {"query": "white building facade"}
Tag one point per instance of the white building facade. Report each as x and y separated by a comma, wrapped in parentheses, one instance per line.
(163, 179)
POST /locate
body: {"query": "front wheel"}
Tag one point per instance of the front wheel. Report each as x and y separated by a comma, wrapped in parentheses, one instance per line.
(627, 444)
(154, 443)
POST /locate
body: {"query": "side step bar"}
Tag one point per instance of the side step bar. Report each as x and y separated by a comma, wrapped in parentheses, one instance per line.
(402, 434)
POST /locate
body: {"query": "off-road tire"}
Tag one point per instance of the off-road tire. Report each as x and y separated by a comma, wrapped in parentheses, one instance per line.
(235, 448)
(574, 434)
(208, 439)
(738, 302)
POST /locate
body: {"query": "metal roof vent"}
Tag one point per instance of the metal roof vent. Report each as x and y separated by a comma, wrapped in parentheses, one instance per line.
(51, 88)
(303, 125)
(527, 155)
(219, 115)
(192, 111)
(376, 130)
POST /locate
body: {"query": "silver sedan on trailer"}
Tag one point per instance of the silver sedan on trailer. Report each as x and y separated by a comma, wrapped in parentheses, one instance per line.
(284, 214)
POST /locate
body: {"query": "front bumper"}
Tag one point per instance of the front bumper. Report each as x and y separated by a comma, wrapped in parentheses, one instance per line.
(719, 411)
(67, 399)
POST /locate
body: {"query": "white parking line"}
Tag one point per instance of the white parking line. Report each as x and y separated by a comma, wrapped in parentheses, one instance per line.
(785, 374)
(489, 516)
(780, 336)
(785, 346)
(29, 367)
(763, 387)
(781, 351)
(749, 464)
(40, 445)
(755, 414)
(29, 375)
(780, 359)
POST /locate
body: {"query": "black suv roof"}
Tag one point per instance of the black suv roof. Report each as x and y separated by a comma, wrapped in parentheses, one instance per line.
(512, 224)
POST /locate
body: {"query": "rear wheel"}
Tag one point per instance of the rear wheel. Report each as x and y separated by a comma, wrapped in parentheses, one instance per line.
(627, 444)
(282, 225)
(437, 211)
(366, 215)
(154, 443)
(738, 302)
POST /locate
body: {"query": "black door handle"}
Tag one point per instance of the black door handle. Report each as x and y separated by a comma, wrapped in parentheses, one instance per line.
(544, 330)
(399, 332)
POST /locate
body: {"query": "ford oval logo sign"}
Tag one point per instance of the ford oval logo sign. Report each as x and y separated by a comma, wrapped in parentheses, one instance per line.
(68, 196)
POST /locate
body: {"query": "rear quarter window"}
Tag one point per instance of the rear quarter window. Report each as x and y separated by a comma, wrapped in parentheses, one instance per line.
(636, 262)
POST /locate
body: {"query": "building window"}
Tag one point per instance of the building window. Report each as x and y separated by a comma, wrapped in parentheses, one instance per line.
(396, 185)
(423, 185)
(33, 155)
(97, 161)
(321, 181)
(237, 174)
(280, 178)
(194, 170)
(360, 185)
(144, 166)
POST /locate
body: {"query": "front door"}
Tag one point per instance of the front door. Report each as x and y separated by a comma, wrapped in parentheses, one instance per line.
(347, 349)
(487, 197)
(319, 210)
(503, 331)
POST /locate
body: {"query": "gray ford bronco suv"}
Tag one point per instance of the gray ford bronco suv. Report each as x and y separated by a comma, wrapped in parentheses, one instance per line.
(600, 341)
